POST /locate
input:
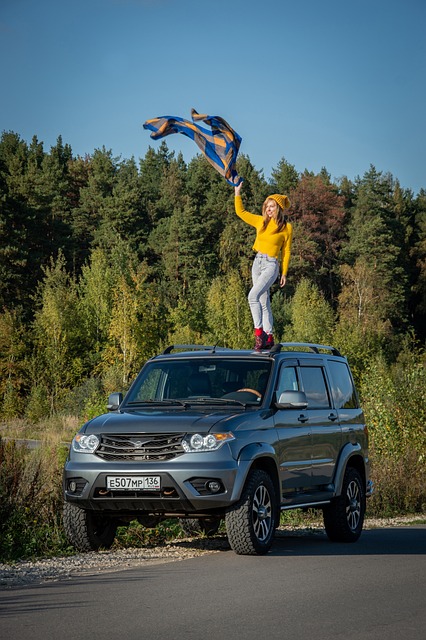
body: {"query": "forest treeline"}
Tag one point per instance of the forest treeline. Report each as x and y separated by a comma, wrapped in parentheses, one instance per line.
(104, 260)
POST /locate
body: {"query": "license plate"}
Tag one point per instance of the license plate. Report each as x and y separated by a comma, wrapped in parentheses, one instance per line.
(134, 483)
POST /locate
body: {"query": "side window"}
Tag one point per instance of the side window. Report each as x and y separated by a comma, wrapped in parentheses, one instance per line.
(151, 388)
(344, 394)
(315, 387)
(287, 380)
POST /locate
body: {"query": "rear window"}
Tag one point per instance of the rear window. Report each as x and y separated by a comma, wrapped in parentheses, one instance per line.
(344, 394)
(315, 387)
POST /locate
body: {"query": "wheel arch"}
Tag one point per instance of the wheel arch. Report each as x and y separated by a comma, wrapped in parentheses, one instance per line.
(351, 456)
(257, 456)
(269, 465)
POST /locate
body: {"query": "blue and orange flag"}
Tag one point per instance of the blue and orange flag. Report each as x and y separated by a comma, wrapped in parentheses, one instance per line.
(220, 145)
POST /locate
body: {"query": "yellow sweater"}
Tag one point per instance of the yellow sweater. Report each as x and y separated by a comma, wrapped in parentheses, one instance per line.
(267, 241)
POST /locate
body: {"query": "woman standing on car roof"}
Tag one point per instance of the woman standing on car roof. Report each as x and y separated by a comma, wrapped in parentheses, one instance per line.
(273, 235)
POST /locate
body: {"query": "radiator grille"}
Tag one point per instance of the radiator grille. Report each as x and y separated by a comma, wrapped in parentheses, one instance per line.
(141, 446)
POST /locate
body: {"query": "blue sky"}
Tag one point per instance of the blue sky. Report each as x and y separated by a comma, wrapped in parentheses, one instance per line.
(327, 83)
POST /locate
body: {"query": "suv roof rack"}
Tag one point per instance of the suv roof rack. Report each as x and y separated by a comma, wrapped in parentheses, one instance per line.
(194, 347)
(308, 345)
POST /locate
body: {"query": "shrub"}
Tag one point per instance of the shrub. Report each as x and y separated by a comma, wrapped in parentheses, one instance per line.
(30, 501)
(394, 402)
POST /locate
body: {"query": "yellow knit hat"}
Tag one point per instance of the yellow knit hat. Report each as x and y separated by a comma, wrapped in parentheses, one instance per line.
(282, 201)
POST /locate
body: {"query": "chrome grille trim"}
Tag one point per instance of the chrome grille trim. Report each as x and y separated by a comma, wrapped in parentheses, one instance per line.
(140, 446)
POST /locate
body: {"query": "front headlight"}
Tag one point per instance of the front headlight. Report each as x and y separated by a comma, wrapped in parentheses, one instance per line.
(85, 444)
(210, 442)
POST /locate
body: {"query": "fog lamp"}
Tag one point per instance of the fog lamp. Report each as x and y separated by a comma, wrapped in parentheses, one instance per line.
(214, 486)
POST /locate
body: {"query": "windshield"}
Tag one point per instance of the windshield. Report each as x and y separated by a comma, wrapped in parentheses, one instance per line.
(228, 379)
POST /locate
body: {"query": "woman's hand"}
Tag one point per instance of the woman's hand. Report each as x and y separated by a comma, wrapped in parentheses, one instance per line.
(238, 189)
(283, 280)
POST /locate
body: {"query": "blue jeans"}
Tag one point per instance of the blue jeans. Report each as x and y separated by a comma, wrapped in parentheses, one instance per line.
(264, 272)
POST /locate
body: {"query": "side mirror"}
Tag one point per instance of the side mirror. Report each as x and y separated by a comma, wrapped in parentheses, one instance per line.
(114, 401)
(292, 400)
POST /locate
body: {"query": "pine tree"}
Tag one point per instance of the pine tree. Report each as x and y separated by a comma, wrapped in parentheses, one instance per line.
(95, 198)
(122, 218)
(418, 258)
(374, 247)
(285, 178)
(152, 169)
(13, 352)
(14, 256)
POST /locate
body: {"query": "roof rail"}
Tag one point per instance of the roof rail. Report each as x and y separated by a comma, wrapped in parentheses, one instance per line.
(194, 347)
(308, 345)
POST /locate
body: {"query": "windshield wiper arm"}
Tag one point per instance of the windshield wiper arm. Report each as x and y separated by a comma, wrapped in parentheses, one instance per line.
(208, 400)
(155, 402)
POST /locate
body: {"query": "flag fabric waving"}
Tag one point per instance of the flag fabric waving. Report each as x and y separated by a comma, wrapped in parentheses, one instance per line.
(220, 146)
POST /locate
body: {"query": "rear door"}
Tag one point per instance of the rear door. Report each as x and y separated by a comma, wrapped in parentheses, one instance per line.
(350, 414)
(323, 419)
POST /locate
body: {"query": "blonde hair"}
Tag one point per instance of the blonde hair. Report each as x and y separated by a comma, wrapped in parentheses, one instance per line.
(281, 218)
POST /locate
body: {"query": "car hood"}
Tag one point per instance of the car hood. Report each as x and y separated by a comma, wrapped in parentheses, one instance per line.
(151, 421)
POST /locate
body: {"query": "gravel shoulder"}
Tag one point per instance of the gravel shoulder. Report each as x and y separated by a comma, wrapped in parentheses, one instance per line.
(27, 572)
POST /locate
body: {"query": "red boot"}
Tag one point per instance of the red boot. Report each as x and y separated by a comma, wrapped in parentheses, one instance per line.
(269, 342)
(259, 339)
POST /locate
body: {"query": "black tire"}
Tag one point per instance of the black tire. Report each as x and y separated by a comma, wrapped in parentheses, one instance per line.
(86, 530)
(344, 516)
(195, 526)
(251, 522)
(149, 522)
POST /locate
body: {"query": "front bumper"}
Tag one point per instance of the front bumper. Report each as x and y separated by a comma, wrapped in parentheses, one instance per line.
(184, 486)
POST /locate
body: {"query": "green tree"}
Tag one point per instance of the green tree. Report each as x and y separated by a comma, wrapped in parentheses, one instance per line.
(285, 178)
(418, 257)
(228, 312)
(152, 169)
(281, 311)
(180, 239)
(312, 317)
(95, 196)
(374, 247)
(22, 229)
(122, 217)
(362, 302)
(95, 292)
(137, 326)
(212, 199)
(13, 353)
(121, 352)
(14, 255)
(57, 335)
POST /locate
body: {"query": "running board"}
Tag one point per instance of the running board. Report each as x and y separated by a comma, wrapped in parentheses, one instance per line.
(303, 505)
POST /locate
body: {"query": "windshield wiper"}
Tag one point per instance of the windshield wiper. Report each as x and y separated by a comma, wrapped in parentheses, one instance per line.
(187, 403)
(207, 400)
(150, 403)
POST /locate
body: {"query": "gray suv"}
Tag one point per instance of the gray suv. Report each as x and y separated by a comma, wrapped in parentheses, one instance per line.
(207, 433)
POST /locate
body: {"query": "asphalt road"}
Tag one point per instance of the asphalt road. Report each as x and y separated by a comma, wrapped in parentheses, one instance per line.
(306, 587)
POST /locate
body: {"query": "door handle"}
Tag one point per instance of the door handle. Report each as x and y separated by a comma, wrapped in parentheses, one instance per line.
(303, 418)
(332, 416)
